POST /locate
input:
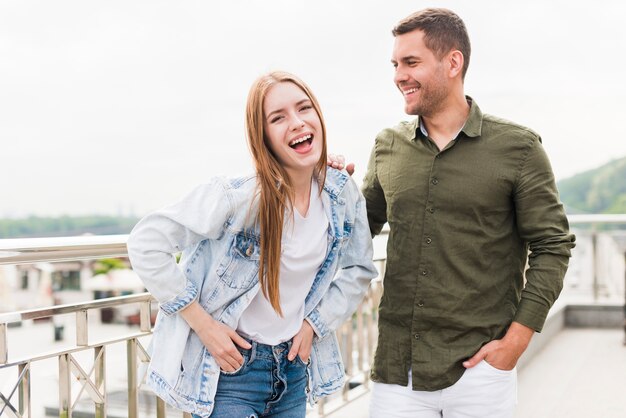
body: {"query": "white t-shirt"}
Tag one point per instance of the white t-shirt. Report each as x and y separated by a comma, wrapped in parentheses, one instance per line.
(304, 245)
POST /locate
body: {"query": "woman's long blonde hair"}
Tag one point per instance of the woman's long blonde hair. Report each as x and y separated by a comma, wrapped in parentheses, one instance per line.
(274, 188)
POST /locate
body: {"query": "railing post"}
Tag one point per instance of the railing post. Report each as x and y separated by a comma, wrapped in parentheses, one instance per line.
(160, 407)
(65, 387)
(4, 349)
(144, 317)
(100, 380)
(131, 362)
(594, 263)
(82, 328)
(24, 394)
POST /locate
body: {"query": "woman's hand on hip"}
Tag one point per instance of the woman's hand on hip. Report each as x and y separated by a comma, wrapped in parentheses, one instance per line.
(218, 338)
(302, 343)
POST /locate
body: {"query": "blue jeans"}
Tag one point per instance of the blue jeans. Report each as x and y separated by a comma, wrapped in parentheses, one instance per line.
(266, 385)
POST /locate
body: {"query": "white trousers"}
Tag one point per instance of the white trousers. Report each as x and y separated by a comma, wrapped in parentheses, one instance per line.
(482, 392)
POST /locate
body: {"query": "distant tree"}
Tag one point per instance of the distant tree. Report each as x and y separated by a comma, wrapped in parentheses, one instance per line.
(105, 265)
(601, 190)
(34, 226)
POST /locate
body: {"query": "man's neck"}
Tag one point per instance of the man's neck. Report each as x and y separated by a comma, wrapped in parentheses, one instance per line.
(444, 125)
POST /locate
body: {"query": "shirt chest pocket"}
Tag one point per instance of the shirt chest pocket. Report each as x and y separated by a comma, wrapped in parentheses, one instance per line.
(240, 266)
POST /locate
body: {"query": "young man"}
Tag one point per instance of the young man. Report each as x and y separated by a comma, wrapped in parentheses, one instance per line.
(469, 199)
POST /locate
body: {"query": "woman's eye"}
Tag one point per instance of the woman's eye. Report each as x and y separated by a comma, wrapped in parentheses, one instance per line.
(306, 107)
(275, 119)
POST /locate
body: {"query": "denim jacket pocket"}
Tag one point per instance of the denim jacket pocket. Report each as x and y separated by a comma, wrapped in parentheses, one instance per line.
(194, 353)
(346, 234)
(240, 265)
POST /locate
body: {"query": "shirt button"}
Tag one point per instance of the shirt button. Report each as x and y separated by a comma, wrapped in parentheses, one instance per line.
(417, 336)
(435, 181)
(428, 240)
(438, 156)
(420, 303)
(424, 272)
(431, 210)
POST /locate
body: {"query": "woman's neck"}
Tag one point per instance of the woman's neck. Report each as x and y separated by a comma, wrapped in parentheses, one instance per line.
(301, 183)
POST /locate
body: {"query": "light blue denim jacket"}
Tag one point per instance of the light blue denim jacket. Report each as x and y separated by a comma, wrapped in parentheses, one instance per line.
(214, 227)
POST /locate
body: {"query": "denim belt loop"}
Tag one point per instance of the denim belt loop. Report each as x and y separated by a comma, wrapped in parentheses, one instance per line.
(252, 351)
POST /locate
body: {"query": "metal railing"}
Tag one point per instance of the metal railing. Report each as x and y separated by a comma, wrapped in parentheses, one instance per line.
(92, 382)
(357, 336)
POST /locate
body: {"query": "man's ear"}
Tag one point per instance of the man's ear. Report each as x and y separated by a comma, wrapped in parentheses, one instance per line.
(455, 62)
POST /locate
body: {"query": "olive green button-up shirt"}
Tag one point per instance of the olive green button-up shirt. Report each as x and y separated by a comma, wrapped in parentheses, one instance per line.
(462, 222)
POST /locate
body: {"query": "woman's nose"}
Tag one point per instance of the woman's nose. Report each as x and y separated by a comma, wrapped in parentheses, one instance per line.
(296, 123)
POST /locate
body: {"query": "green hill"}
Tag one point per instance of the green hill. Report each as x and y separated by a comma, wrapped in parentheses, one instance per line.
(35, 226)
(601, 190)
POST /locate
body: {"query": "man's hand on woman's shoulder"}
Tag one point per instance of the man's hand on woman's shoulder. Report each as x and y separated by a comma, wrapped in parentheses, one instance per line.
(339, 162)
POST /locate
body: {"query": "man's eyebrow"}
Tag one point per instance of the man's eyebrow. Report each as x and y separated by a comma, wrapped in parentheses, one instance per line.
(406, 59)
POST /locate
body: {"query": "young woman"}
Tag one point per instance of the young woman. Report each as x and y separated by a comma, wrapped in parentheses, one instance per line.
(271, 265)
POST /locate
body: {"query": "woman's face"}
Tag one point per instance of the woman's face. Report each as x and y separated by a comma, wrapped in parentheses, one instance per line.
(292, 127)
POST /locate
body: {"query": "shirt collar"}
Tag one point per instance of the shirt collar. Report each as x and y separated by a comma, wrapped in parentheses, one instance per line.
(472, 127)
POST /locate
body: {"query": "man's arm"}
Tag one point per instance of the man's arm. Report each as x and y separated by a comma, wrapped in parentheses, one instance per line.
(542, 224)
(374, 196)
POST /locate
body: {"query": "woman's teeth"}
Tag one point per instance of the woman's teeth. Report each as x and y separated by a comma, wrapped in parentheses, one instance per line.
(300, 140)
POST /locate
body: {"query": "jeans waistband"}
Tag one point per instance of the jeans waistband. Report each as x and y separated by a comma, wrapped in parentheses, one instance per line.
(267, 351)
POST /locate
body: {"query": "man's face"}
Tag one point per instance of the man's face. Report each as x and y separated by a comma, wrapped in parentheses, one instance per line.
(419, 75)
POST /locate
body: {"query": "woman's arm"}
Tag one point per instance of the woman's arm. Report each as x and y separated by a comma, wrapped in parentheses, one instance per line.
(356, 270)
(154, 240)
(200, 215)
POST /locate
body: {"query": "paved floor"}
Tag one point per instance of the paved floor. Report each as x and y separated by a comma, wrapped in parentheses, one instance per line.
(580, 374)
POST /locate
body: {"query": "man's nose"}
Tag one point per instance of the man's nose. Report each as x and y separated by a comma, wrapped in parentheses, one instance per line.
(399, 76)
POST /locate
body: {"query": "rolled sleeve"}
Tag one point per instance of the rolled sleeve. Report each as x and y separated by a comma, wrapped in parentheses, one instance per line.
(543, 225)
(180, 301)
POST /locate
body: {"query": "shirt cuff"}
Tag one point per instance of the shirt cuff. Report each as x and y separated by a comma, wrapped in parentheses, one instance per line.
(180, 301)
(531, 314)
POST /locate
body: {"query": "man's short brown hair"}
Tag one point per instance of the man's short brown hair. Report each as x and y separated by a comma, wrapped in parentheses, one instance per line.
(443, 30)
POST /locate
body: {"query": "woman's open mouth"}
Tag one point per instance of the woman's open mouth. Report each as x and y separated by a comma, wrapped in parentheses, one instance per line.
(302, 144)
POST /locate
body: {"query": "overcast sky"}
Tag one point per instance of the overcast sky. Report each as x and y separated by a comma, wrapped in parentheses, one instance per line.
(120, 107)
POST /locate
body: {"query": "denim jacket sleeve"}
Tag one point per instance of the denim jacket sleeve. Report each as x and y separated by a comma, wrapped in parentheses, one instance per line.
(355, 272)
(152, 243)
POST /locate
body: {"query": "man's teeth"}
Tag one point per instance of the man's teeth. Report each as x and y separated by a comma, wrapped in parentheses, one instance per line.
(297, 141)
(409, 91)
